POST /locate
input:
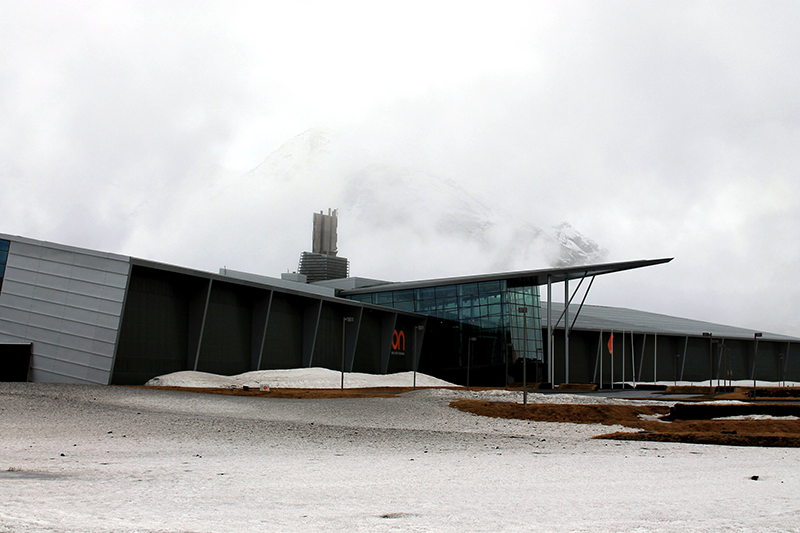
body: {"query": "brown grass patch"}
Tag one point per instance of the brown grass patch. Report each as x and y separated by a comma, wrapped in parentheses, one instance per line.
(729, 432)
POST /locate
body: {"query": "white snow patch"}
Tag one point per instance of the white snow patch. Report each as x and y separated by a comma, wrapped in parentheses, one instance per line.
(756, 417)
(295, 378)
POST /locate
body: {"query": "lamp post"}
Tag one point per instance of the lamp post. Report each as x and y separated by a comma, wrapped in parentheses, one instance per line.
(414, 360)
(509, 353)
(710, 361)
(677, 358)
(345, 320)
(524, 311)
(469, 356)
(756, 336)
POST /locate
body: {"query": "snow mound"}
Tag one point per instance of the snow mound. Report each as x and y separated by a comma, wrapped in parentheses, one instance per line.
(294, 378)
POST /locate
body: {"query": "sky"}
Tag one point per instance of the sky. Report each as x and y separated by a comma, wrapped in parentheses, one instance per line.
(451, 136)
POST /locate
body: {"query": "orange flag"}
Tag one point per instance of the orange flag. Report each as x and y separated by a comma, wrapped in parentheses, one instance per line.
(611, 344)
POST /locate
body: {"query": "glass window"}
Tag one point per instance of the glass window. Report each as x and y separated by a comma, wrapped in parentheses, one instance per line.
(4, 245)
(425, 294)
(490, 286)
(467, 289)
(403, 296)
(468, 301)
(426, 305)
(404, 306)
(383, 298)
(366, 298)
(3, 257)
(448, 291)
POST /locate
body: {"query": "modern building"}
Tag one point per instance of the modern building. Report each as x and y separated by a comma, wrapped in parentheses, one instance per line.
(81, 316)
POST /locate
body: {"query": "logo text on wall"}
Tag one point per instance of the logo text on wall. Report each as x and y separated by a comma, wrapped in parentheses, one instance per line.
(398, 343)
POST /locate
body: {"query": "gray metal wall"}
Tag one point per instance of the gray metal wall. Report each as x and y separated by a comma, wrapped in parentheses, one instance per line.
(68, 303)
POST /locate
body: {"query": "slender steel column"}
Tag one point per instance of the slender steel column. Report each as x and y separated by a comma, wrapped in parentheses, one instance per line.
(524, 311)
(550, 372)
(566, 331)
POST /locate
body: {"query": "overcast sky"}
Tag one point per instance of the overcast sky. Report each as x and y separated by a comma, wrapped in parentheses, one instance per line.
(657, 129)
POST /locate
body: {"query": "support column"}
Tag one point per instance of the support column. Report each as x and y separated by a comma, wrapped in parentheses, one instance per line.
(261, 309)
(566, 330)
(683, 360)
(351, 335)
(550, 330)
(310, 327)
(197, 325)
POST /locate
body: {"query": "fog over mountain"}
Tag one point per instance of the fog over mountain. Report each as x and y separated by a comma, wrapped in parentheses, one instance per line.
(395, 223)
(453, 139)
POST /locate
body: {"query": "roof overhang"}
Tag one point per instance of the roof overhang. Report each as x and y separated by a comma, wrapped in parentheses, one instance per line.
(519, 278)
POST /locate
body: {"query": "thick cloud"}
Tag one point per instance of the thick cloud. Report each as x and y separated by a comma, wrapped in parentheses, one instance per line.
(654, 129)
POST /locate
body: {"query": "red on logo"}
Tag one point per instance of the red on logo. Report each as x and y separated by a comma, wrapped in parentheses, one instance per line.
(398, 340)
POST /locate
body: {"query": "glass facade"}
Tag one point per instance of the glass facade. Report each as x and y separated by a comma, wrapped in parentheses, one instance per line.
(491, 312)
(4, 246)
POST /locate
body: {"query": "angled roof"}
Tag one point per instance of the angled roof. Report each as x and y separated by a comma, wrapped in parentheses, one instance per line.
(517, 278)
(618, 319)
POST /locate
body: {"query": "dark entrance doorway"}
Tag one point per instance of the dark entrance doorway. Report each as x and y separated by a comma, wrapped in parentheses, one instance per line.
(15, 359)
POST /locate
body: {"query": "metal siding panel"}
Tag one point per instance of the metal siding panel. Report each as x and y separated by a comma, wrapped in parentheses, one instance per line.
(55, 255)
(71, 302)
(21, 262)
(10, 314)
(97, 376)
(52, 282)
(47, 322)
(53, 268)
(17, 302)
(25, 290)
(86, 303)
(105, 335)
(88, 274)
(95, 262)
(106, 349)
(52, 296)
(12, 330)
(43, 307)
(22, 249)
(110, 308)
(114, 294)
(75, 342)
(19, 275)
(70, 328)
(85, 288)
(117, 281)
(37, 334)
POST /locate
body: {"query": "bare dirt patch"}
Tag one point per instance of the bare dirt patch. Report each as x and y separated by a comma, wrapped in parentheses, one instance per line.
(769, 432)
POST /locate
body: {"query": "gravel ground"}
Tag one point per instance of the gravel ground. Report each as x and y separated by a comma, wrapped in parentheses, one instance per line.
(102, 459)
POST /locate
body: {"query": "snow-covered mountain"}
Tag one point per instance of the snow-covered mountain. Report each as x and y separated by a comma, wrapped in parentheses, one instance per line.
(395, 222)
(409, 221)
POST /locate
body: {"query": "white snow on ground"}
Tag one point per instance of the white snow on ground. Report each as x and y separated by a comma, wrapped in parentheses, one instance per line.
(117, 459)
(296, 378)
(757, 417)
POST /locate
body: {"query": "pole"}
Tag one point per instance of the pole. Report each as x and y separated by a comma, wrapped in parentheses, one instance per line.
(345, 320)
(677, 356)
(623, 360)
(655, 358)
(524, 311)
(550, 372)
(711, 360)
(414, 361)
(469, 357)
(756, 336)
(509, 352)
(566, 330)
